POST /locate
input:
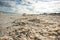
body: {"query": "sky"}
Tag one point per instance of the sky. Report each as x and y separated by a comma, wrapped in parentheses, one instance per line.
(30, 6)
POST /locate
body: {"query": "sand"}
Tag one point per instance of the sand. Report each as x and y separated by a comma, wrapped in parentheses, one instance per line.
(29, 27)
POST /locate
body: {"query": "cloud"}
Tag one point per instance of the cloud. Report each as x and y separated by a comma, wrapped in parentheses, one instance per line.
(40, 7)
(30, 6)
(48, 0)
(47, 7)
(4, 4)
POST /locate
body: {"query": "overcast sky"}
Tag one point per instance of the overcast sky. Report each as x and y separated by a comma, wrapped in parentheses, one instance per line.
(30, 6)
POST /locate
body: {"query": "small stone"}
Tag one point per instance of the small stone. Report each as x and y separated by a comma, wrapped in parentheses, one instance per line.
(36, 38)
(58, 37)
(53, 37)
(34, 20)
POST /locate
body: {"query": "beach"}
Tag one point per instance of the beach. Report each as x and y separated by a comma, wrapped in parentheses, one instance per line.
(29, 27)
